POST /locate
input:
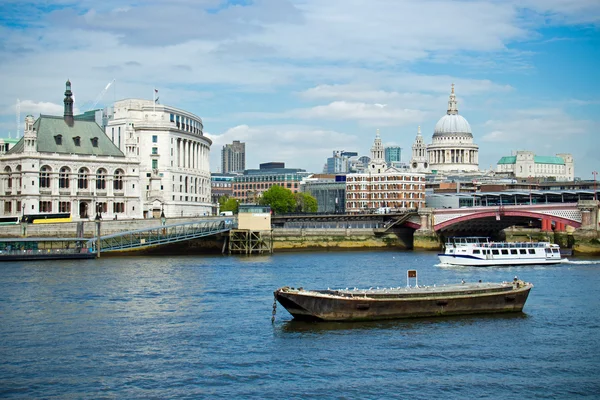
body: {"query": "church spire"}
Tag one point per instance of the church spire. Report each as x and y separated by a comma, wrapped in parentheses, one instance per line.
(452, 104)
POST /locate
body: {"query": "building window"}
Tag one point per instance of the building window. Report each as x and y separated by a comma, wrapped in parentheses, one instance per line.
(82, 178)
(154, 139)
(154, 164)
(155, 150)
(58, 140)
(64, 206)
(45, 177)
(63, 178)
(77, 141)
(113, 135)
(118, 180)
(94, 142)
(118, 208)
(101, 179)
(102, 207)
(45, 206)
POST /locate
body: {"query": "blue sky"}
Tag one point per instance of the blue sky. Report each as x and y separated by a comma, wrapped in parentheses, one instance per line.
(297, 79)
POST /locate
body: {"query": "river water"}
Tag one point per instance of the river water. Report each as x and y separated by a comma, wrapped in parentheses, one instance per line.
(200, 327)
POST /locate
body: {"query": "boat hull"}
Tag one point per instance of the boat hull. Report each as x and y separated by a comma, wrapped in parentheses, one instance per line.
(471, 261)
(303, 305)
(42, 255)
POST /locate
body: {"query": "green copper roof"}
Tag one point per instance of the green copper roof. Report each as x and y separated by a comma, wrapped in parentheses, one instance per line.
(536, 159)
(548, 160)
(85, 128)
(508, 160)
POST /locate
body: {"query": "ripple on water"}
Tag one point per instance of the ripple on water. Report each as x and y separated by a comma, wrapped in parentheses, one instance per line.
(199, 327)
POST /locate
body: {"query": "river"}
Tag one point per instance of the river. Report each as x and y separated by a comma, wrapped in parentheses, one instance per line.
(200, 327)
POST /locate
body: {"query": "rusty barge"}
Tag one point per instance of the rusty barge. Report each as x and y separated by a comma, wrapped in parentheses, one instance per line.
(404, 302)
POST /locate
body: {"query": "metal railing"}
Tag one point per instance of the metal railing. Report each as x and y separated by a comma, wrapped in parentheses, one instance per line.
(163, 234)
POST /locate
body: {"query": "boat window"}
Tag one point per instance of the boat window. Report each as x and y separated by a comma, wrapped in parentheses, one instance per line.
(548, 251)
(495, 252)
(555, 251)
(522, 251)
(476, 251)
(531, 251)
(504, 251)
(514, 251)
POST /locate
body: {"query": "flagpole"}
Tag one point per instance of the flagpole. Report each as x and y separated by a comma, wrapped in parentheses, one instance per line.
(154, 99)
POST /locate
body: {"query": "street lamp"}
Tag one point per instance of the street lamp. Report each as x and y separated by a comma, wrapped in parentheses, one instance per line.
(98, 212)
(163, 219)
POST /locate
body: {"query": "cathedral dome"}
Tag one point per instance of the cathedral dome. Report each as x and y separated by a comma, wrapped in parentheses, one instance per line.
(452, 124)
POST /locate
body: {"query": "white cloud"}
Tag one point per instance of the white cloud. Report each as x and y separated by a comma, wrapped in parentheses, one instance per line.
(299, 146)
(36, 108)
(533, 127)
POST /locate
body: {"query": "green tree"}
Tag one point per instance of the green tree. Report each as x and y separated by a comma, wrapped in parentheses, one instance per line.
(280, 199)
(305, 203)
(227, 203)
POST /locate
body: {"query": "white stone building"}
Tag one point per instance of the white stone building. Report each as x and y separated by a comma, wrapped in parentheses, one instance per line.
(452, 148)
(382, 186)
(173, 154)
(525, 165)
(67, 164)
(418, 161)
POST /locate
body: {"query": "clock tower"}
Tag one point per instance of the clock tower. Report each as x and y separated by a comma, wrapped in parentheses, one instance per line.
(418, 161)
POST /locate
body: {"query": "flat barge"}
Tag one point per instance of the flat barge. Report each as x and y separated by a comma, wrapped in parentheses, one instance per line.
(404, 302)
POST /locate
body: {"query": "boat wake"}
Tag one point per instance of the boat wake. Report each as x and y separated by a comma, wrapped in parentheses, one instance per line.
(580, 262)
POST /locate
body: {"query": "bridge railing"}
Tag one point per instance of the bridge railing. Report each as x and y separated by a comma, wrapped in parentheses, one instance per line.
(164, 234)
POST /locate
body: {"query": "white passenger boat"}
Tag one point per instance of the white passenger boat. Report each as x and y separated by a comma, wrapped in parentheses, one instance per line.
(481, 252)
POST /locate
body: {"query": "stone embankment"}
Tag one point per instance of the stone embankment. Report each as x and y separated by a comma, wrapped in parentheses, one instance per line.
(581, 241)
(332, 239)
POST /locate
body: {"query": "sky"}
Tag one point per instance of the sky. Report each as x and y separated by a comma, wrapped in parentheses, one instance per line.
(297, 79)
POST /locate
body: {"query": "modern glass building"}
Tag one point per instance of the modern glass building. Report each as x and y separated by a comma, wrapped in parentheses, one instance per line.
(393, 154)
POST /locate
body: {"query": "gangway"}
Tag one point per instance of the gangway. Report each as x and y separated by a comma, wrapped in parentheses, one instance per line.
(163, 234)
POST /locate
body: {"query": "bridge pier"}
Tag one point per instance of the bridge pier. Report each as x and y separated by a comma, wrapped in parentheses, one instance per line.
(425, 238)
(587, 237)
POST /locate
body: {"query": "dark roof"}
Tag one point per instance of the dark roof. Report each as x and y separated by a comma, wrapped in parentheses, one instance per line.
(84, 127)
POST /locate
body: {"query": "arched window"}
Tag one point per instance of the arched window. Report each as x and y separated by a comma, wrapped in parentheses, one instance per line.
(20, 177)
(82, 178)
(118, 180)
(101, 179)
(8, 171)
(63, 177)
(45, 176)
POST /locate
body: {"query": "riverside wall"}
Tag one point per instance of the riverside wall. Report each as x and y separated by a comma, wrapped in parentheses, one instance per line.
(581, 241)
(338, 239)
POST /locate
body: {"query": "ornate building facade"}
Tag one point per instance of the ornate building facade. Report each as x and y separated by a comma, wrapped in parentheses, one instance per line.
(525, 164)
(452, 148)
(67, 164)
(173, 154)
(383, 186)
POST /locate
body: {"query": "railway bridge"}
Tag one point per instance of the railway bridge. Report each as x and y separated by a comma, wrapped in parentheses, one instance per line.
(484, 220)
